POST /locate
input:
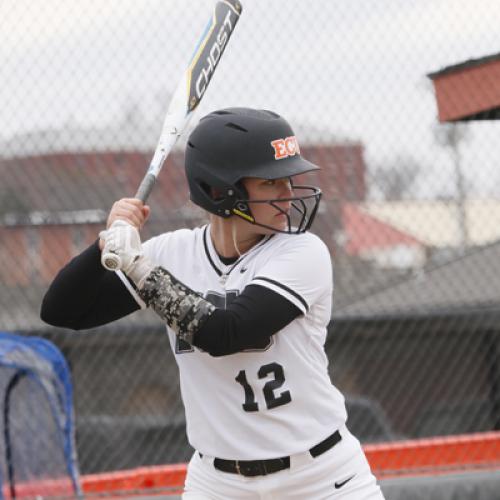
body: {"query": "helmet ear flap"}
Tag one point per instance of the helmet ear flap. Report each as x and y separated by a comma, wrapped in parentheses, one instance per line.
(241, 190)
(241, 207)
(222, 199)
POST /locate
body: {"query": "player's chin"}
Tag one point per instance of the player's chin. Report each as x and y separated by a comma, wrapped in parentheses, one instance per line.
(280, 222)
(271, 225)
(266, 227)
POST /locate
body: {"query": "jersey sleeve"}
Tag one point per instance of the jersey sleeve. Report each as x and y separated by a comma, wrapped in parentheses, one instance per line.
(300, 270)
(248, 322)
(156, 246)
(84, 295)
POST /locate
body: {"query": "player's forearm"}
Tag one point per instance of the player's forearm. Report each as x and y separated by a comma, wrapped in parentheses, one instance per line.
(247, 323)
(184, 310)
(85, 295)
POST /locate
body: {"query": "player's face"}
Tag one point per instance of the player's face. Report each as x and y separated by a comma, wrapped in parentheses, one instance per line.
(275, 215)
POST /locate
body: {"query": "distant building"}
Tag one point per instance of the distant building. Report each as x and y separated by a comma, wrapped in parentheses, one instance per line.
(469, 90)
(435, 224)
(53, 205)
(372, 239)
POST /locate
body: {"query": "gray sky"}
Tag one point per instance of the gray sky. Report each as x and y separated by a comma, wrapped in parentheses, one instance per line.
(353, 69)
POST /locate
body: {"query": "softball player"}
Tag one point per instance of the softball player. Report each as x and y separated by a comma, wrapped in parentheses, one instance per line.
(247, 301)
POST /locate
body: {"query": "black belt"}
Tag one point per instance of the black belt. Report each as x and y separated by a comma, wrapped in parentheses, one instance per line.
(250, 468)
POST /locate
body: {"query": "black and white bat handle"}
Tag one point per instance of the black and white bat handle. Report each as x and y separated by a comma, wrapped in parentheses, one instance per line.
(146, 187)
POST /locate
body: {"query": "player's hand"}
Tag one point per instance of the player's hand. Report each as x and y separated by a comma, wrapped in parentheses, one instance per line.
(123, 242)
(129, 210)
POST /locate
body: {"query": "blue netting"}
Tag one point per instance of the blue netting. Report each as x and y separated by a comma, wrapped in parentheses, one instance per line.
(37, 451)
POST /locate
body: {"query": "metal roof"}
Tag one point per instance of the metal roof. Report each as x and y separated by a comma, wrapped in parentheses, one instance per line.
(468, 283)
(470, 63)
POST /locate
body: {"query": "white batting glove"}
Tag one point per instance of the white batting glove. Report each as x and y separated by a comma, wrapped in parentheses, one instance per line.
(122, 241)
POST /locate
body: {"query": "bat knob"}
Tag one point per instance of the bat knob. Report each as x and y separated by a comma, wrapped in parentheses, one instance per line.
(111, 261)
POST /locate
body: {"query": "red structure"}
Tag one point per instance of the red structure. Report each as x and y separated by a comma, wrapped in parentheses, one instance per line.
(469, 90)
(65, 198)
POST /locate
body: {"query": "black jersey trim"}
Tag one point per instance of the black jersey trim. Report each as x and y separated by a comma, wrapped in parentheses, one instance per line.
(287, 289)
(207, 252)
(211, 261)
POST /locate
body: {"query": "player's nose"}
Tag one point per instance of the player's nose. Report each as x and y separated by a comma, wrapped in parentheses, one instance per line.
(285, 192)
(285, 188)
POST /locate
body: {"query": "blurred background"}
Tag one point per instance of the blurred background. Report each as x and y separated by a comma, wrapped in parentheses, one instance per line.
(411, 207)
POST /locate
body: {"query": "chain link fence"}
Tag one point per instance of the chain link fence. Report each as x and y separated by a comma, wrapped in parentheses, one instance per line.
(411, 208)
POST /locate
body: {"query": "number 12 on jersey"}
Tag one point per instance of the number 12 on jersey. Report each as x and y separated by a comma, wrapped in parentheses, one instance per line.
(272, 400)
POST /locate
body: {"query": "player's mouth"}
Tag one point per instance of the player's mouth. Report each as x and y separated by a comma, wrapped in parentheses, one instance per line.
(283, 211)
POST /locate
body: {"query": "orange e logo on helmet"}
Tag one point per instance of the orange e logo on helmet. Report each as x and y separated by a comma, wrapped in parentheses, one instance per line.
(283, 148)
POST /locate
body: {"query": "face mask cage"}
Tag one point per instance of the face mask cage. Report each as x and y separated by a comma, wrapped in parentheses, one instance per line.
(302, 212)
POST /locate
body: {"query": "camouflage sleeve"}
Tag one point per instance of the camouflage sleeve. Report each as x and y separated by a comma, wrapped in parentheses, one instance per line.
(184, 310)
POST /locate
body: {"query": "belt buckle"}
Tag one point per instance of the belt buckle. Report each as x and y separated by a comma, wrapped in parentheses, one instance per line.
(250, 469)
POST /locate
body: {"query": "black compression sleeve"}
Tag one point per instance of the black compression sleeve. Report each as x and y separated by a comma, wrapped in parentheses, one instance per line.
(247, 323)
(85, 295)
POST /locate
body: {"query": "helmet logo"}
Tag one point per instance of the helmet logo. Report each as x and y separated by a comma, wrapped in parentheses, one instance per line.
(283, 148)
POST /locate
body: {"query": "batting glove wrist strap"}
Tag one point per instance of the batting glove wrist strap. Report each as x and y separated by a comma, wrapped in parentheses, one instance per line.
(139, 270)
(184, 310)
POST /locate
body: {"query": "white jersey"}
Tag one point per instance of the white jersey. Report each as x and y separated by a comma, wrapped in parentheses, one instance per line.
(268, 402)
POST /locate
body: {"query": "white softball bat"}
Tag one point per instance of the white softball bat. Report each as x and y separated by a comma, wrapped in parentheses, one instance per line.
(187, 96)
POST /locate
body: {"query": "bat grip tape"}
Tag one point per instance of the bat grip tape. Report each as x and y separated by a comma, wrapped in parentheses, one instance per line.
(146, 187)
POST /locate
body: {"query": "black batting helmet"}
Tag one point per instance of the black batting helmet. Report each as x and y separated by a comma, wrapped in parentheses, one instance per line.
(235, 143)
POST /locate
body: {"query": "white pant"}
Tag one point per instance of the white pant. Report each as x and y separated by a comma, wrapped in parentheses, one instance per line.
(307, 479)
